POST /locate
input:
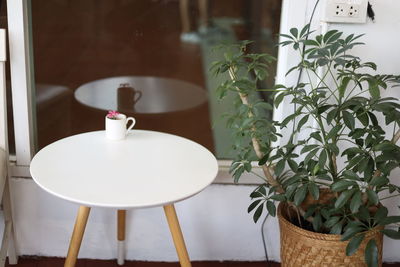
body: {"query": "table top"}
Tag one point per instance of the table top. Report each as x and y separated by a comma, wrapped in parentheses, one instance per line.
(159, 95)
(146, 169)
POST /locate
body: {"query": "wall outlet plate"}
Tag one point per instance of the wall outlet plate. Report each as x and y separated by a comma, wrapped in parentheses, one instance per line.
(345, 11)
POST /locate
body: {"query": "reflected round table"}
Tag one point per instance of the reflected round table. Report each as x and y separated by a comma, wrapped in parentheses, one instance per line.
(146, 169)
(158, 95)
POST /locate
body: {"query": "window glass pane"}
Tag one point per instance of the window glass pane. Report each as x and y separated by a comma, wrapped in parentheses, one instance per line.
(147, 59)
(10, 119)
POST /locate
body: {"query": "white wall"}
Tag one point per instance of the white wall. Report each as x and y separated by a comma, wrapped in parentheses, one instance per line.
(215, 224)
(382, 46)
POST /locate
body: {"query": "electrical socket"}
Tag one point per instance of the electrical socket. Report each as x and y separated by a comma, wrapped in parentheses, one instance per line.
(345, 11)
(341, 10)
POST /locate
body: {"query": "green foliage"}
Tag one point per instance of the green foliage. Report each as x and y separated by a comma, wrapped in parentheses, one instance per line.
(338, 104)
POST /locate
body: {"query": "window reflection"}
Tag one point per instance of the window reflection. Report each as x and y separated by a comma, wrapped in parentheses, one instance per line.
(148, 59)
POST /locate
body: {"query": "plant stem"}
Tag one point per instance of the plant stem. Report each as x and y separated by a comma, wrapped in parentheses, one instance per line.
(389, 197)
(377, 173)
(259, 176)
(396, 137)
(256, 145)
(270, 90)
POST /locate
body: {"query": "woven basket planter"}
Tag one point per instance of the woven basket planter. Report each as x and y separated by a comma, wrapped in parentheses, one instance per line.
(304, 248)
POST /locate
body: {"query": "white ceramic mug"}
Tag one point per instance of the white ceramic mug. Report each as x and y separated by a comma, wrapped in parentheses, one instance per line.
(116, 128)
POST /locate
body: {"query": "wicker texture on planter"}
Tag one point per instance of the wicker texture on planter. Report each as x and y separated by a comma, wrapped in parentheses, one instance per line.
(304, 248)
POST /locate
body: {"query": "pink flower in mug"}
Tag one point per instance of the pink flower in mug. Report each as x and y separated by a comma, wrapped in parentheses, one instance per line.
(112, 114)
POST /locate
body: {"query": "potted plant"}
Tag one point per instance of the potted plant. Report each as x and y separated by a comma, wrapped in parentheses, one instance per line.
(331, 183)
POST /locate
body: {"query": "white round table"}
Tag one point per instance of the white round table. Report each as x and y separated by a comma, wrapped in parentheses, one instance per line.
(146, 169)
(158, 95)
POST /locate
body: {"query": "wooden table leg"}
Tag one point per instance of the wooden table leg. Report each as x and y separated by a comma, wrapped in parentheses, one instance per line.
(177, 236)
(121, 217)
(77, 235)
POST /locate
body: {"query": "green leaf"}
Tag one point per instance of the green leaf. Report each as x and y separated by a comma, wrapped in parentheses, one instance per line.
(333, 132)
(391, 233)
(331, 36)
(354, 243)
(279, 167)
(310, 211)
(350, 175)
(343, 86)
(292, 69)
(390, 220)
(263, 160)
(354, 161)
(315, 169)
(237, 173)
(278, 86)
(305, 30)
(263, 105)
(363, 118)
(349, 120)
(253, 205)
(302, 122)
(260, 73)
(278, 99)
(300, 195)
(381, 214)
(322, 158)
(293, 165)
(326, 214)
(256, 194)
(332, 221)
(372, 197)
(310, 155)
(317, 222)
(374, 89)
(271, 208)
(294, 32)
(342, 199)
(308, 148)
(279, 197)
(363, 213)
(334, 148)
(342, 185)
(379, 181)
(247, 166)
(331, 115)
(387, 146)
(337, 228)
(288, 119)
(371, 254)
(311, 43)
(355, 202)
(373, 118)
(258, 213)
(324, 108)
(352, 151)
(286, 36)
(262, 190)
(316, 136)
(351, 231)
(314, 190)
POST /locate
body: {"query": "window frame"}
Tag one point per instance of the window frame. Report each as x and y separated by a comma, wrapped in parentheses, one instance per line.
(23, 89)
(22, 84)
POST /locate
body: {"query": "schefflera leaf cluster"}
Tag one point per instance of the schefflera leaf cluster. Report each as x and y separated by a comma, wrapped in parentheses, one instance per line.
(339, 103)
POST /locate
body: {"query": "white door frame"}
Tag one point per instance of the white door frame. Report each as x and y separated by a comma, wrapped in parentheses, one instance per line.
(22, 81)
